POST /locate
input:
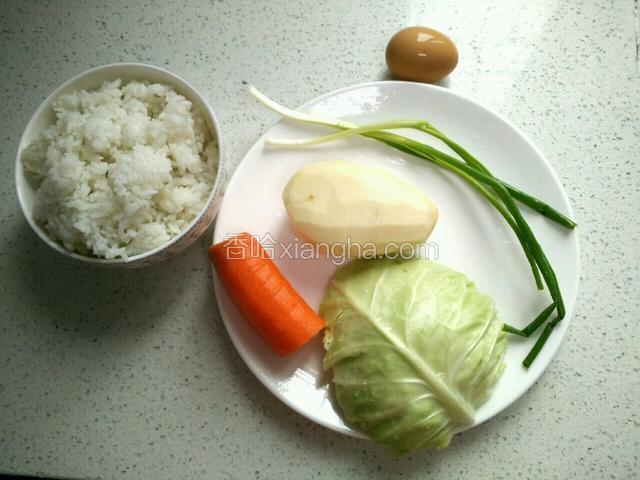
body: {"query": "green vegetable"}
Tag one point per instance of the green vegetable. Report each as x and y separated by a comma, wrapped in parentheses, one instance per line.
(501, 195)
(414, 347)
(533, 326)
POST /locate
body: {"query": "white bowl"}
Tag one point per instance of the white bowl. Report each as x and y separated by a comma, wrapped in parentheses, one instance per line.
(91, 79)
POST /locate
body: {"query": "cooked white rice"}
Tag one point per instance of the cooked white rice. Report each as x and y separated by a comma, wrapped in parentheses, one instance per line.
(123, 170)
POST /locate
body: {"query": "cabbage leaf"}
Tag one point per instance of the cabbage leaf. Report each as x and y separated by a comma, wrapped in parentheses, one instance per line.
(414, 347)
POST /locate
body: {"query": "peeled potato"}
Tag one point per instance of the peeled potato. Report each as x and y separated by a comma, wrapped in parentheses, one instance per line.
(365, 211)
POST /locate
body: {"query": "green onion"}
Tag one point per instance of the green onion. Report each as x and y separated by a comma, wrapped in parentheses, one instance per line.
(515, 331)
(472, 171)
(467, 174)
(522, 197)
(542, 339)
(533, 326)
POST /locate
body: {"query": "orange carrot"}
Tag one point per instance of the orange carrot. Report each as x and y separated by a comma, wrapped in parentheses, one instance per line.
(265, 298)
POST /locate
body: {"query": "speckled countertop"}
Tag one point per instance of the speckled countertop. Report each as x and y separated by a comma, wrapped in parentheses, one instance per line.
(109, 374)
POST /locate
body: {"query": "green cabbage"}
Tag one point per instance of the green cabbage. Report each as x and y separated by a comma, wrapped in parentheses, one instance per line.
(414, 347)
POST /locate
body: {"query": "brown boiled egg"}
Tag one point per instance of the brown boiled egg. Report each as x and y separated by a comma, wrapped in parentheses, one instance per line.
(421, 54)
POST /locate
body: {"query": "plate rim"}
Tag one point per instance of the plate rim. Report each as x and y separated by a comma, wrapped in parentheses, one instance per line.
(219, 288)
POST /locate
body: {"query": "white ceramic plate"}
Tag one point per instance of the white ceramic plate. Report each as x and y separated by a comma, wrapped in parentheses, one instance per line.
(470, 236)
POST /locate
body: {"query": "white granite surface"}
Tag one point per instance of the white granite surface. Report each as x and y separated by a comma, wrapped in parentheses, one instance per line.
(109, 374)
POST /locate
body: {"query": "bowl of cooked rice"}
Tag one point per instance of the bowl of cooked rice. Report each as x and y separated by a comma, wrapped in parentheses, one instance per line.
(121, 165)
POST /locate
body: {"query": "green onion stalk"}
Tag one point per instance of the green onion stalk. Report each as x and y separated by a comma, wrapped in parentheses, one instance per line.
(501, 195)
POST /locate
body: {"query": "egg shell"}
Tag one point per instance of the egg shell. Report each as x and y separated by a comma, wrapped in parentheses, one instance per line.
(421, 54)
